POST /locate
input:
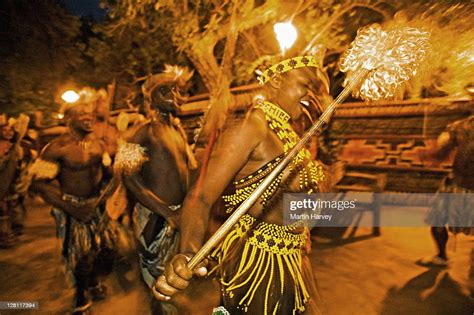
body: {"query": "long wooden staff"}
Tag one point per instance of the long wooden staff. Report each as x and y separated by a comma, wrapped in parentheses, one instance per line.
(113, 183)
(110, 102)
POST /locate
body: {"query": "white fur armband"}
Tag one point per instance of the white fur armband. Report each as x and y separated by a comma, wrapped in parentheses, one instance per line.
(443, 139)
(130, 158)
(42, 169)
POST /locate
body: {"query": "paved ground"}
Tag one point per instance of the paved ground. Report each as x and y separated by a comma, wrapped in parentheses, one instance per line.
(365, 276)
(378, 275)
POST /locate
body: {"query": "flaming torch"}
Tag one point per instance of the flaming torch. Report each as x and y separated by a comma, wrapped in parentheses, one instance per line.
(377, 64)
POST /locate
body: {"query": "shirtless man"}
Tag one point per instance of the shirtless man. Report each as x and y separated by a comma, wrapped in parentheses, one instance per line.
(68, 175)
(160, 178)
(260, 260)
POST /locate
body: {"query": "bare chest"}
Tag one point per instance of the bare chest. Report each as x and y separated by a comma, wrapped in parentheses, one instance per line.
(79, 155)
(264, 153)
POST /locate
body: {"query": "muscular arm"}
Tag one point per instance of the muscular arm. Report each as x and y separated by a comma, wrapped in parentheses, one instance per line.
(135, 184)
(146, 197)
(231, 152)
(51, 193)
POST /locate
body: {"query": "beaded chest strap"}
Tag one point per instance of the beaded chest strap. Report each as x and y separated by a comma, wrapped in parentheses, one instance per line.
(278, 120)
(309, 175)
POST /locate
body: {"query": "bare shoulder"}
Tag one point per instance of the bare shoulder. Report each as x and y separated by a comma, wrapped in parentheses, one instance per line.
(256, 119)
(53, 150)
(141, 135)
(253, 125)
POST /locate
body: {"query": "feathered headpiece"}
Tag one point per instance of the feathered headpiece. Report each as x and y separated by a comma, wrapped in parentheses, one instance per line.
(171, 74)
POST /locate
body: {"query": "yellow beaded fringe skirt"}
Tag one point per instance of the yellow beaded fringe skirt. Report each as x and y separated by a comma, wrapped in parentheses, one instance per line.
(260, 269)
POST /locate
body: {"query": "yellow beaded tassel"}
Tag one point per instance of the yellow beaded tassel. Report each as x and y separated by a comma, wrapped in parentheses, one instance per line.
(259, 260)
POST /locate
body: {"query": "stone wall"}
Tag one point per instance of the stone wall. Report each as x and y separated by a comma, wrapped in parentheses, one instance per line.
(388, 138)
(384, 138)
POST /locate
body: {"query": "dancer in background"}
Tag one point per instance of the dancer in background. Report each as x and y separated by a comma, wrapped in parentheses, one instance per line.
(68, 175)
(12, 176)
(156, 164)
(454, 206)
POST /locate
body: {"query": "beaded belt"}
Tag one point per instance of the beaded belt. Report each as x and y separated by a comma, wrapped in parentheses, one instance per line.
(74, 200)
(275, 238)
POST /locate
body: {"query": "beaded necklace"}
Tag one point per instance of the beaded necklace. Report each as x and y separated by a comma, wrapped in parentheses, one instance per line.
(309, 175)
(278, 121)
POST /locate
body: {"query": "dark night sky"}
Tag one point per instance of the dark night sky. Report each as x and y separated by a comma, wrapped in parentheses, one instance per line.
(86, 8)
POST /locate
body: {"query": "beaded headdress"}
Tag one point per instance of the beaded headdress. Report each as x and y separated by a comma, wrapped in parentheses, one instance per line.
(287, 65)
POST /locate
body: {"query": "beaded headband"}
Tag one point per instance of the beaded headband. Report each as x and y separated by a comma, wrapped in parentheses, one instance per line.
(286, 65)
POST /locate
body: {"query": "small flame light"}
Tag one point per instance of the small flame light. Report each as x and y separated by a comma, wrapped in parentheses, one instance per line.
(286, 35)
(70, 96)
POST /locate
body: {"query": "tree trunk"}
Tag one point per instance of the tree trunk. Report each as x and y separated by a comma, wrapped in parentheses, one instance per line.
(217, 82)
